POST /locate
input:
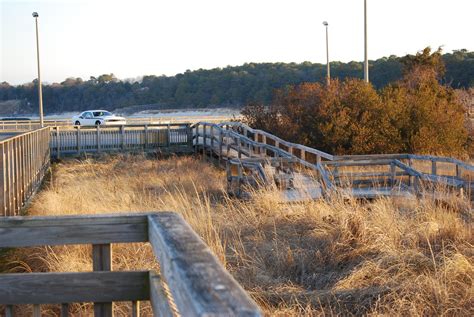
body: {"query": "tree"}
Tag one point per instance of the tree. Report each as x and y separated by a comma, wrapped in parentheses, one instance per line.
(417, 114)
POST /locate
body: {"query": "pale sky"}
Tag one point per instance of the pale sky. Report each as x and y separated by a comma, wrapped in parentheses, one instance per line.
(134, 38)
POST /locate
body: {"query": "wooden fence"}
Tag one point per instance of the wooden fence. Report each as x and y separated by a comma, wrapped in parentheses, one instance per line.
(27, 125)
(198, 283)
(24, 160)
(151, 137)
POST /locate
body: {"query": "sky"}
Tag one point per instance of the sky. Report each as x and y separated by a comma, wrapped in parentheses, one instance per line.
(83, 38)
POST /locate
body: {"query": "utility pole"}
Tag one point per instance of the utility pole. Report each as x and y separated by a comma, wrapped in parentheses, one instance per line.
(40, 91)
(366, 59)
(328, 68)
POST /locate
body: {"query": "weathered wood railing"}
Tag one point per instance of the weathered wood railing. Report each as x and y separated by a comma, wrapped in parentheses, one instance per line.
(198, 283)
(24, 160)
(404, 170)
(221, 140)
(26, 125)
(151, 137)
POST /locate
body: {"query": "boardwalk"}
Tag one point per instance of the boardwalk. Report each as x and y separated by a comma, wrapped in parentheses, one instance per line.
(360, 176)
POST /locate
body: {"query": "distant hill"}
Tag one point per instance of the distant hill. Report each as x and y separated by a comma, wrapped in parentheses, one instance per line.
(229, 86)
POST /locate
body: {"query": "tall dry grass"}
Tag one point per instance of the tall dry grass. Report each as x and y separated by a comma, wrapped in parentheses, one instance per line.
(335, 257)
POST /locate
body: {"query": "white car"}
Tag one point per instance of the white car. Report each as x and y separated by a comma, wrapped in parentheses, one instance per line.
(97, 117)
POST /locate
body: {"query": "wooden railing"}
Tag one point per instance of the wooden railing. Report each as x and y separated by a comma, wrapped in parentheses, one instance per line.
(406, 170)
(26, 125)
(198, 283)
(24, 160)
(151, 137)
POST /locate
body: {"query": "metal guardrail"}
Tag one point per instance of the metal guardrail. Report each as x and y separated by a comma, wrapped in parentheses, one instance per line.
(199, 284)
(24, 160)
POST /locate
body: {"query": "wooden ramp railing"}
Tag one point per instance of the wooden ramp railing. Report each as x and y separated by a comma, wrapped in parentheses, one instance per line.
(198, 283)
(24, 160)
(362, 175)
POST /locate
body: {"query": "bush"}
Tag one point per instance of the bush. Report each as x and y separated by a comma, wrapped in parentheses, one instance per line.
(417, 114)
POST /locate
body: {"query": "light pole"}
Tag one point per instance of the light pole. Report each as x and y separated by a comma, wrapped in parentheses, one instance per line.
(328, 71)
(40, 92)
(366, 59)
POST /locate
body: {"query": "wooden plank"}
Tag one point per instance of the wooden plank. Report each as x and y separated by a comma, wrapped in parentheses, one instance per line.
(158, 298)
(199, 284)
(357, 163)
(36, 310)
(9, 311)
(64, 310)
(88, 229)
(135, 309)
(60, 288)
(2, 181)
(102, 261)
(78, 139)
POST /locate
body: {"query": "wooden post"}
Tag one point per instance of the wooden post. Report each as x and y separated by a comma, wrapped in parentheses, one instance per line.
(392, 174)
(122, 137)
(58, 144)
(239, 178)
(146, 137)
(168, 138)
(64, 310)
(98, 138)
(458, 171)
(303, 155)
(102, 261)
(221, 140)
(433, 167)
(239, 148)
(204, 142)
(15, 176)
(318, 159)
(9, 311)
(36, 310)
(135, 309)
(78, 139)
(212, 142)
(3, 184)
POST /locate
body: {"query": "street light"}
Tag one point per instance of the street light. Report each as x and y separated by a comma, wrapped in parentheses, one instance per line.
(40, 93)
(366, 60)
(328, 71)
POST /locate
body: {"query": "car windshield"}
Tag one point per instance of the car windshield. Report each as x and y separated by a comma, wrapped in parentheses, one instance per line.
(101, 113)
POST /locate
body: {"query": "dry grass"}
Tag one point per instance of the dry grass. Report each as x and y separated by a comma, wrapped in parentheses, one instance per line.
(315, 258)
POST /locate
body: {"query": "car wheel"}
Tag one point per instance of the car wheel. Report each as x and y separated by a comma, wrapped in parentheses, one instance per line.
(77, 123)
(97, 122)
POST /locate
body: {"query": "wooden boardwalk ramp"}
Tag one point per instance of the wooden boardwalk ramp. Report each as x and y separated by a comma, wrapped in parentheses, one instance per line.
(311, 173)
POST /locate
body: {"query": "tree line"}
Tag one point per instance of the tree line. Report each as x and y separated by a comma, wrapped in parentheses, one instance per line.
(229, 86)
(419, 113)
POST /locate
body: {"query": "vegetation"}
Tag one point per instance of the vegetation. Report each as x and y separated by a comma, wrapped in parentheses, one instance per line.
(230, 86)
(416, 114)
(336, 257)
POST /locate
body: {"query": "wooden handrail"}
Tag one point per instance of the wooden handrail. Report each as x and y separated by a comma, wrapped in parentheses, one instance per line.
(199, 284)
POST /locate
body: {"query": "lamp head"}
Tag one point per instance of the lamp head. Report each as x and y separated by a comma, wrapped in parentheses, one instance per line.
(325, 23)
(35, 14)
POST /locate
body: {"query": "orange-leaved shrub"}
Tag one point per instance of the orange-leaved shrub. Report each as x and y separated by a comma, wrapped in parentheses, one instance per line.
(417, 114)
